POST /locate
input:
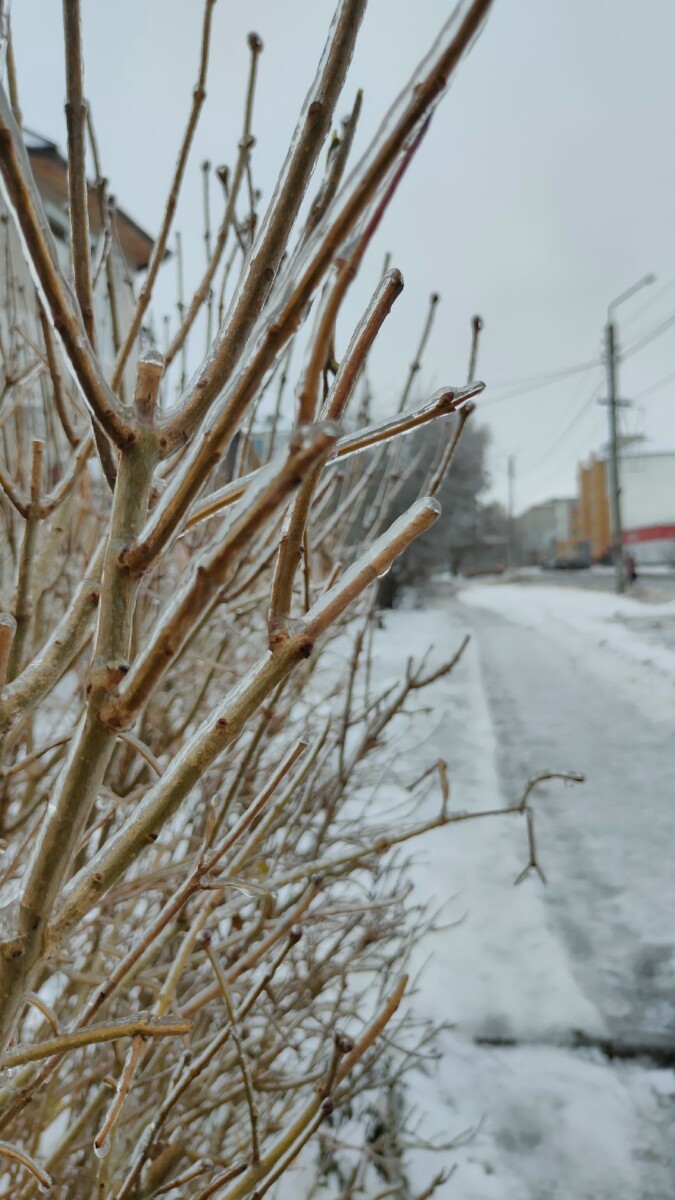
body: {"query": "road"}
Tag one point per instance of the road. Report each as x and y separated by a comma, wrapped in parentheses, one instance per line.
(609, 857)
(552, 678)
(610, 899)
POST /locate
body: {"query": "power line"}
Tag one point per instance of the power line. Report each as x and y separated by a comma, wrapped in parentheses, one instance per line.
(544, 378)
(522, 392)
(546, 454)
(649, 336)
(655, 387)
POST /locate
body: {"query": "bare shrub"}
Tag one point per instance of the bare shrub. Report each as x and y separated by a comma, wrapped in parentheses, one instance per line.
(193, 883)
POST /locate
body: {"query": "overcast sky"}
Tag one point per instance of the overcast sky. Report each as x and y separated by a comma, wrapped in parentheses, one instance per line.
(545, 187)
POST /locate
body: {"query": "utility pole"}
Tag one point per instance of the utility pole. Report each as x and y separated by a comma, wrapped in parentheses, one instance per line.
(614, 476)
(613, 403)
(512, 537)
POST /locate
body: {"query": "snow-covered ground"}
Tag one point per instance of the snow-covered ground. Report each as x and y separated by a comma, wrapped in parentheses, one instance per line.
(556, 678)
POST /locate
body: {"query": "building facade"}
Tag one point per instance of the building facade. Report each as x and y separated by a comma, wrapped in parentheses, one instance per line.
(593, 526)
(647, 506)
(546, 531)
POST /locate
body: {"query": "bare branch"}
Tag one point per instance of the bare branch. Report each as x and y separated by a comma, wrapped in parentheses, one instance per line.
(26, 207)
(159, 247)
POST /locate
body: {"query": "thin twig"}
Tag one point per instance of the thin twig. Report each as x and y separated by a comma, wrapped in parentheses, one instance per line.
(160, 244)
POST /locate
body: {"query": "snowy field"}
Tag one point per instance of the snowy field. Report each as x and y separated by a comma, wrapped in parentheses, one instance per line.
(553, 678)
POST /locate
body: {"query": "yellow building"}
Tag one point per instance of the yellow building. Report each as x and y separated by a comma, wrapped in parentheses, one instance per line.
(592, 517)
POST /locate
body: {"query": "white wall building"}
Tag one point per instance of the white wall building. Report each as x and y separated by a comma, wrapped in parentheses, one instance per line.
(544, 530)
(648, 506)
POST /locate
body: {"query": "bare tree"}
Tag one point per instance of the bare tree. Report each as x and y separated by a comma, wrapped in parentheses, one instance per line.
(185, 885)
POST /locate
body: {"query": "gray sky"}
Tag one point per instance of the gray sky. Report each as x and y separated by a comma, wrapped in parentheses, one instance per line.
(545, 186)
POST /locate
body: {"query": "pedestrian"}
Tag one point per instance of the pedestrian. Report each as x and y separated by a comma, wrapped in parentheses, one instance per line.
(630, 568)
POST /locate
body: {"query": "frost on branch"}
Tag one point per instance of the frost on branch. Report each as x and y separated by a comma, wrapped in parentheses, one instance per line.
(191, 879)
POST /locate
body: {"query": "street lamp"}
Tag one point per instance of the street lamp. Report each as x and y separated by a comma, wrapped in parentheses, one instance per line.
(613, 402)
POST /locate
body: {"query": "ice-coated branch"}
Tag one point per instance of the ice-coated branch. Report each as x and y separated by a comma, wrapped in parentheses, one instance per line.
(446, 454)
(13, 493)
(5, 6)
(337, 160)
(26, 207)
(55, 373)
(20, 1156)
(347, 266)
(272, 237)
(76, 115)
(288, 1144)
(95, 1035)
(7, 632)
(121, 1092)
(23, 602)
(222, 726)
(12, 81)
(476, 327)
(445, 401)
(367, 329)
(273, 486)
(72, 473)
(417, 359)
(38, 678)
(525, 807)
(229, 216)
(373, 564)
(91, 749)
(293, 534)
(226, 993)
(160, 244)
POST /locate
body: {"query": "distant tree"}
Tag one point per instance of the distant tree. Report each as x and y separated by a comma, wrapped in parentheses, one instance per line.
(444, 546)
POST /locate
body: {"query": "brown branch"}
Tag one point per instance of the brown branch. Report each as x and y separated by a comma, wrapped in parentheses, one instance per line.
(65, 1042)
(272, 237)
(476, 326)
(287, 1146)
(417, 360)
(160, 244)
(337, 161)
(28, 213)
(445, 454)
(294, 532)
(280, 478)
(13, 494)
(226, 994)
(43, 672)
(102, 1139)
(229, 217)
(12, 82)
(7, 633)
(223, 726)
(23, 602)
(77, 164)
(445, 401)
(57, 385)
(20, 1156)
